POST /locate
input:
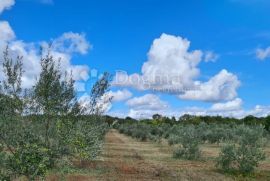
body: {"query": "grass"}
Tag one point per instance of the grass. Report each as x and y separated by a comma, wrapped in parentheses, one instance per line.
(124, 158)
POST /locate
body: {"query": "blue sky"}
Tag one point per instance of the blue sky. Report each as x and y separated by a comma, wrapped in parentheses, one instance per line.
(119, 35)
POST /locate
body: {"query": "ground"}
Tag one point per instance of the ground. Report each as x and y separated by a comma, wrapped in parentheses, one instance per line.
(127, 159)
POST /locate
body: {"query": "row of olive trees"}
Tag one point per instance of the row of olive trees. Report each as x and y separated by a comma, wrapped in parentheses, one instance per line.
(42, 125)
(243, 153)
(241, 145)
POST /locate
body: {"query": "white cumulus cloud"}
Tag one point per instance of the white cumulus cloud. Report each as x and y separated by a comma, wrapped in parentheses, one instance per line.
(222, 86)
(173, 68)
(170, 66)
(71, 43)
(6, 32)
(147, 102)
(120, 95)
(233, 105)
(259, 111)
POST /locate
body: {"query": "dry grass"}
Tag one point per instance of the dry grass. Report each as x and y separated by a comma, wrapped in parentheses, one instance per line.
(124, 158)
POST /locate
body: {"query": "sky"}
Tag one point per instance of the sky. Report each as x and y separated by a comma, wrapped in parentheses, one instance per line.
(172, 57)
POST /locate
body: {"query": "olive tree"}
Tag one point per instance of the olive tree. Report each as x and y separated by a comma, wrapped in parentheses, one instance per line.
(22, 152)
(87, 138)
(189, 144)
(245, 153)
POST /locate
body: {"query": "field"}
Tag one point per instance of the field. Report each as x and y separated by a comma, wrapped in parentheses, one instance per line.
(125, 158)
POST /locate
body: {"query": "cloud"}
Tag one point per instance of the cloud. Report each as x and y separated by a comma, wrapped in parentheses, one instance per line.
(172, 68)
(146, 106)
(141, 114)
(120, 95)
(222, 86)
(170, 65)
(262, 54)
(259, 111)
(147, 102)
(6, 32)
(233, 105)
(229, 109)
(6, 4)
(71, 43)
(210, 56)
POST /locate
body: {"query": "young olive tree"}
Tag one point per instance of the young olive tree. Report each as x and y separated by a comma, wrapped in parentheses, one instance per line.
(245, 153)
(88, 136)
(22, 152)
(189, 144)
(54, 95)
(10, 107)
(47, 92)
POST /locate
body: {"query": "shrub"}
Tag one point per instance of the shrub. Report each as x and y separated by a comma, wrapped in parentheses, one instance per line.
(173, 139)
(189, 148)
(86, 139)
(189, 152)
(227, 157)
(31, 160)
(30, 157)
(4, 173)
(245, 155)
(239, 158)
(248, 158)
(4, 176)
(140, 132)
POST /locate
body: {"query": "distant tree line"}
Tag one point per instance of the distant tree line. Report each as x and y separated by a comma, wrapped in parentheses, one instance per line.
(195, 120)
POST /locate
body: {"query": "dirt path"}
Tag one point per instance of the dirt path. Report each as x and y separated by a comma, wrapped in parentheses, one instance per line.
(125, 158)
(129, 159)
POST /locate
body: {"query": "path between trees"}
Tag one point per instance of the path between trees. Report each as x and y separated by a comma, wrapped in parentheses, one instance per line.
(127, 159)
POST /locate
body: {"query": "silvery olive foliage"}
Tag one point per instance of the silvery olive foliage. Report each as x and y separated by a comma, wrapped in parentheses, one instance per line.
(143, 132)
(245, 153)
(188, 144)
(41, 126)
